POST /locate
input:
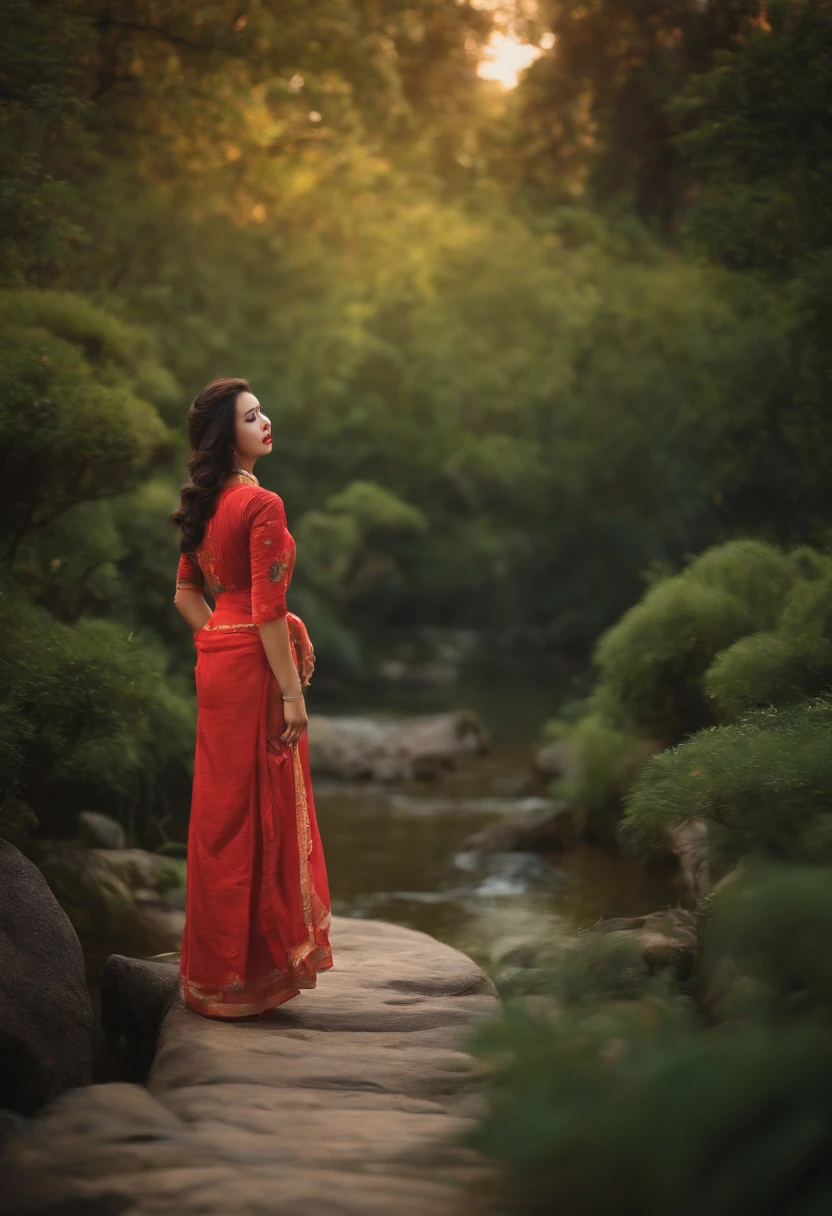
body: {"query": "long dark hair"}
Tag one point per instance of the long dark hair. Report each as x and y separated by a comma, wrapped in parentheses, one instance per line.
(211, 436)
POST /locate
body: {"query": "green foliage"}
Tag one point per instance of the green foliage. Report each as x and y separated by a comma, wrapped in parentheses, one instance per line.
(653, 663)
(607, 81)
(761, 783)
(628, 1105)
(68, 409)
(744, 626)
(606, 763)
(770, 926)
(632, 1111)
(88, 708)
(793, 660)
(41, 107)
(754, 128)
(85, 707)
(581, 972)
(375, 509)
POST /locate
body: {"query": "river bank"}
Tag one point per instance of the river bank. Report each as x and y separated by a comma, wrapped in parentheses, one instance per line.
(398, 850)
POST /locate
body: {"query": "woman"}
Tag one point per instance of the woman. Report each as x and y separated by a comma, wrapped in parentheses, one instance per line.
(257, 907)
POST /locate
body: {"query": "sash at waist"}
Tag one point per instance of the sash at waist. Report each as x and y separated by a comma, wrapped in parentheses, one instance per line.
(232, 613)
(232, 607)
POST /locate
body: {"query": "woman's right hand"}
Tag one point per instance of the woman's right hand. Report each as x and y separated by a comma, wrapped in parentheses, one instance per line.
(294, 714)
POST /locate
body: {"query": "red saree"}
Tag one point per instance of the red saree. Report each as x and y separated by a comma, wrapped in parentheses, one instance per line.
(257, 913)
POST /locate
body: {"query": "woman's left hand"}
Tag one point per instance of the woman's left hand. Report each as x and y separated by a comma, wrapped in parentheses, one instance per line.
(294, 713)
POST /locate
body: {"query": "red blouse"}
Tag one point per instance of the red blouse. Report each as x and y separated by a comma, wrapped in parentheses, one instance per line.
(246, 550)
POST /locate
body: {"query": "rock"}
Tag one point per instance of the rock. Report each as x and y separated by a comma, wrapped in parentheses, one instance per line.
(545, 829)
(135, 996)
(108, 897)
(100, 831)
(434, 672)
(667, 940)
(140, 870)
(560, 758)
(689, 844)
(345, 1099)
(46, 1017)
(365, 749)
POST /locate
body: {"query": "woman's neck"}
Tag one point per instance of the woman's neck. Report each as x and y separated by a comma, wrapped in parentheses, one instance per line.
(240, 476)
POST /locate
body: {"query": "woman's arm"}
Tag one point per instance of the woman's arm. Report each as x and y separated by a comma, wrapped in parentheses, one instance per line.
(192, 605)
(275, 638)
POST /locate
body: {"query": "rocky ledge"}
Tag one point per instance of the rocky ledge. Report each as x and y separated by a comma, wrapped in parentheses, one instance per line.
(347, 1099)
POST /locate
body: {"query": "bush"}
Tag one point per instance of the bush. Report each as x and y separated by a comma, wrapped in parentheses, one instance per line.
(745, 626)
(607, 761)
(84, 708)
(768, 933)
(652, 664)
(793, 660)
(633, 1107)
(763, 785)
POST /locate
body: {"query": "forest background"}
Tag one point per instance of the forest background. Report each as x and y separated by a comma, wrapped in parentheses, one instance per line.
(525, 351)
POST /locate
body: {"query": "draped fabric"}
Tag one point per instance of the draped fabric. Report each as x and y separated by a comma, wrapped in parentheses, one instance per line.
(257, 913)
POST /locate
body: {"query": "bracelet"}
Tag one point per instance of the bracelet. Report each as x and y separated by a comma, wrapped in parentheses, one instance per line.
(299, 697)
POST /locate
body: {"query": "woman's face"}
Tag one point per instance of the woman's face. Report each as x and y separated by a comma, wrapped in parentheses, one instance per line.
(252, 429)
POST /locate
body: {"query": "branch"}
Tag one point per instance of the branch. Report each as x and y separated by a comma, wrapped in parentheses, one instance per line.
(175, 39)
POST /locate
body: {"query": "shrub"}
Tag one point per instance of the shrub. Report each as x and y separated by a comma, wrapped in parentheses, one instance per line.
(764, 785)
(633, 1107)
(652, 664)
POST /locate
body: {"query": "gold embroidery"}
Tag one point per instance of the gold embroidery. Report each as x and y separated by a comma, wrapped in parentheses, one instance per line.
(207, 561)
(183, 584)
(309, 895)
(277, 570)
(208, 565)
(234, 626)
(281, 984)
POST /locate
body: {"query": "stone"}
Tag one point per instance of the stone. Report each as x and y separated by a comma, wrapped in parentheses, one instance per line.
(46, 1016)
(667, 940)
(107, 896)
(688, 842)
(366, 749)
(560, 758)
(140, 870)
(545, 829)
(348, 1098)
(135, 996)
(100, 831)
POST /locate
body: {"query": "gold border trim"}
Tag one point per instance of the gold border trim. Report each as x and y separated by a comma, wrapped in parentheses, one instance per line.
(235, 626)
(301, 951)
(284, 987)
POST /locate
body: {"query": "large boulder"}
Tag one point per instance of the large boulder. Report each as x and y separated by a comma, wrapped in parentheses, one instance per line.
(368, 749)
(349, 1098)
(135, 996)
(46, 1017)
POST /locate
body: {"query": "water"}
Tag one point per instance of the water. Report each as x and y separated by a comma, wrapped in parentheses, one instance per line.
(397, 853)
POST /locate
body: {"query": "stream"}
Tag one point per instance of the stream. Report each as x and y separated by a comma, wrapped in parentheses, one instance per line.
(395, 852)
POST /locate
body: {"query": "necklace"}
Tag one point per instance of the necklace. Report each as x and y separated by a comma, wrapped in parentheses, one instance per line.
(245, 473)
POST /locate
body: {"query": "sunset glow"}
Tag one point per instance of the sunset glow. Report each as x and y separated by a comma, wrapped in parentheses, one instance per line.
(506, 57)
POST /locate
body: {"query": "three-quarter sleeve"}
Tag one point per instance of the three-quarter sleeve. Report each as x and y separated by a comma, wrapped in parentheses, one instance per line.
(189, 576)
(272, 558)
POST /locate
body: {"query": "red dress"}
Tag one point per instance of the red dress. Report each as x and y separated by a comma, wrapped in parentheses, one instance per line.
(257, 898)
